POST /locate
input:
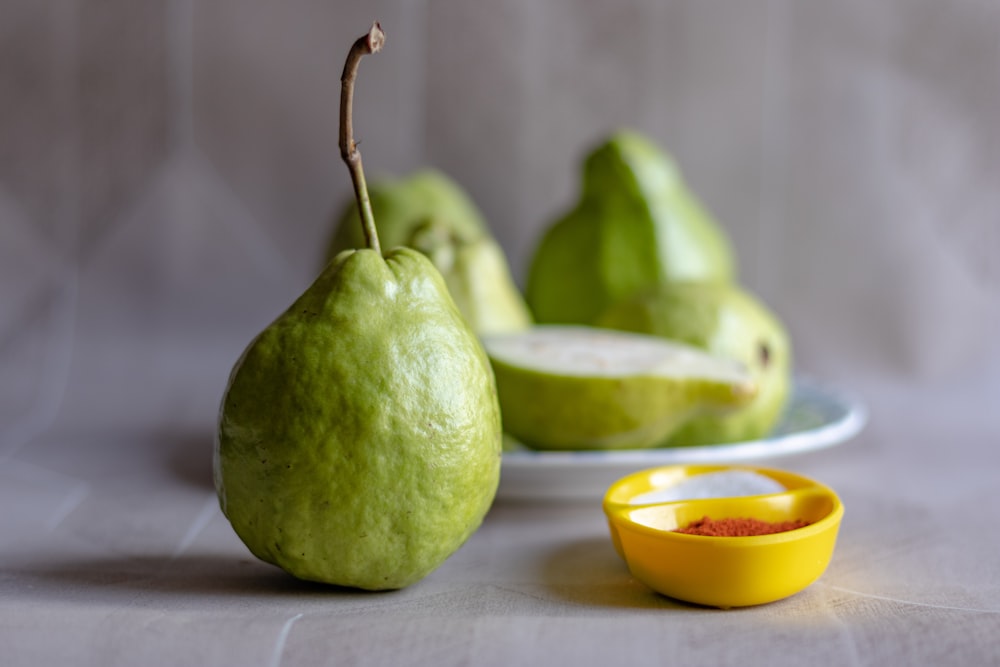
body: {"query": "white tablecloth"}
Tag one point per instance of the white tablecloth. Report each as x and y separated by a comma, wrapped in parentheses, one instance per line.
(113, 551)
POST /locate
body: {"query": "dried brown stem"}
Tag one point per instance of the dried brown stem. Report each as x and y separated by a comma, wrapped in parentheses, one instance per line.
(369, 43)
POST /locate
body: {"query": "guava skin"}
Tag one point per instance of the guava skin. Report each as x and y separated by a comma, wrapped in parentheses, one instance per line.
(428, 211)
(477, 277)
(402, 205)
(549, 412)
(727, 321)
(359, 436)
(636, 225)
(569, 387)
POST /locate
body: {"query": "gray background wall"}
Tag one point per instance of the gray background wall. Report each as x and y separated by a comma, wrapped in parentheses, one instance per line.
(168, 170)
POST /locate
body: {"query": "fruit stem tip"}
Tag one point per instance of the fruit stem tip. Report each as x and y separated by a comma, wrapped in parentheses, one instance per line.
(375, 37)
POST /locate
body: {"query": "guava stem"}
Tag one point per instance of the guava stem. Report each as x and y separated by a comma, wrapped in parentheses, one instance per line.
(369, 43)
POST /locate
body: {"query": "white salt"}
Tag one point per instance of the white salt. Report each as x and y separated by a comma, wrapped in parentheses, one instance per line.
(722, 484)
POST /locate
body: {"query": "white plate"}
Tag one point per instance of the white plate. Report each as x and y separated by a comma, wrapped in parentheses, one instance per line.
(818, 416)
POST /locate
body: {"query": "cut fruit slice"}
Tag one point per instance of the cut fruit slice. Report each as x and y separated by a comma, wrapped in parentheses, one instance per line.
(574, 387)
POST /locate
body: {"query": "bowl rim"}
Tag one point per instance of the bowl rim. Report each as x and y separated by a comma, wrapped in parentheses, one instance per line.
(617, 511)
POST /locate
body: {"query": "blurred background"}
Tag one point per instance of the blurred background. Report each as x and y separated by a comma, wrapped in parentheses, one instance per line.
(169, 171)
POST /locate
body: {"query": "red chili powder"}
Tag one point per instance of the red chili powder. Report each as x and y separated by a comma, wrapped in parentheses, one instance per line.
(738, 527)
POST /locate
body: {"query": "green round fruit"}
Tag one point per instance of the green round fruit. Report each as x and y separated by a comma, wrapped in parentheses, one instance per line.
(574, 387)
(402, 205)
(431, 213)
(359, 436)
(636, 225)
(726, 321)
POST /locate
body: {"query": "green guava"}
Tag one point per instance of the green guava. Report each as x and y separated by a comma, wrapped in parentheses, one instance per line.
(727, 321)
(575, 387)
(636, 225)
(429, 211)
(359, 437)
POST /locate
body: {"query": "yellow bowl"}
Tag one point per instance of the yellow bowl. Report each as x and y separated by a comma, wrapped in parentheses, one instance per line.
(723, 571)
